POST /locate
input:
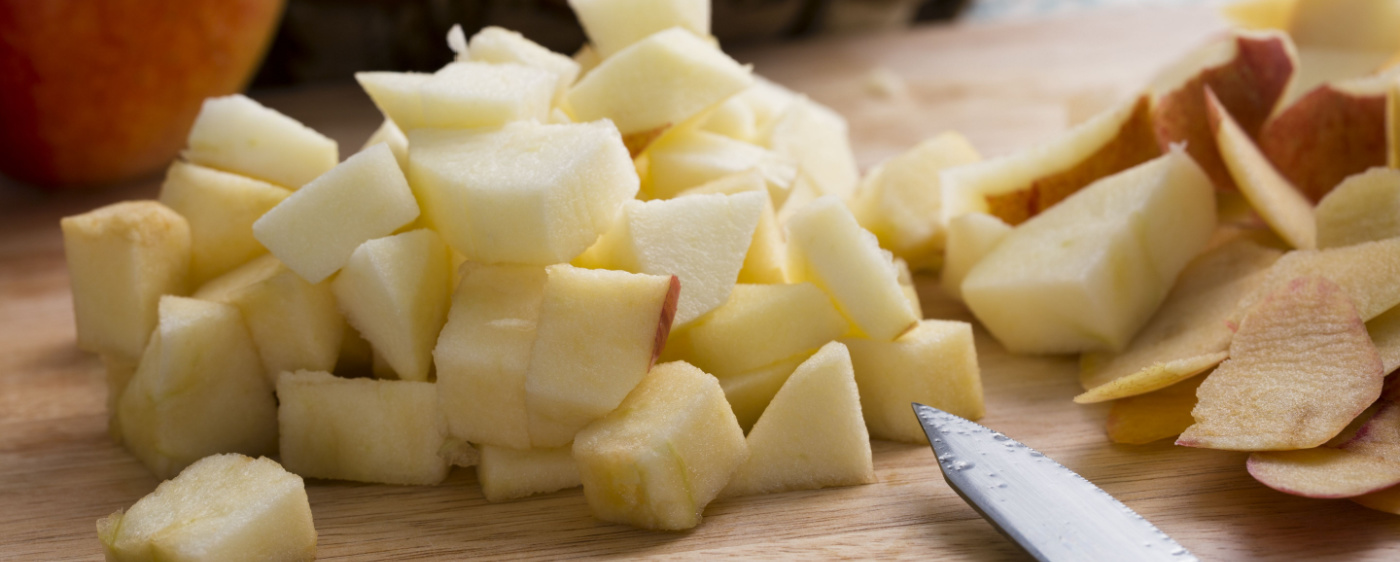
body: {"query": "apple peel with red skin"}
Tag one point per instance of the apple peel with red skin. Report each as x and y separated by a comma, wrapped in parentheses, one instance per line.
(1366, 272)
(1301, 368)
(1367, 462)
(1142, 419)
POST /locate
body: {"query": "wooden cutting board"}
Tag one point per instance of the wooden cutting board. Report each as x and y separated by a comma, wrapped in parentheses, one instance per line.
(1005, 86)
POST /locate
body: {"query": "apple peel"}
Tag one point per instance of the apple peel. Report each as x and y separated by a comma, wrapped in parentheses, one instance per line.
(1367, 462)
(1366, 272)
(1280, 204)
(1363, 208)
(1385, 333)
(1145, 418)
(1189, 333)
(1301, 368)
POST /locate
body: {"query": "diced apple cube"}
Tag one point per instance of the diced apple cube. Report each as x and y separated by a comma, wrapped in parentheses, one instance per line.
(817, 139)
(121, 259)
(812, 434)
(484, 350)
(750, 392)
(613, 25)
(497, 45)
(900, 200)
(236, 134)
(766, 261)
(1086, 274)
(734, 118)
(599, 332)
(526, 194)
(199, 390)
(658, 81)
(664, 453)
(465, 95)
(761, 324)
(394, 291)
(295, 324)
(692, 158)
(701, 239)
(390, 134)
(970, 238)
(396, 95)
(827, 247)
(364, 430)
(220, 208)
(316, 229)
(507, 474)
(224, 507)
(934, 364)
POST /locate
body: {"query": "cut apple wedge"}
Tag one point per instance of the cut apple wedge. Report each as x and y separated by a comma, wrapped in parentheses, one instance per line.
(1089, 272)
(315, 230)
(811, 435)
(394, 291)
(817, 139)
(224, 507)
(1363, 208)
(121, 259)
(1365, 463)
(664, 453)
(766, 259)
(499, 46)
(827, 247)
(748, 393)
(688, 159)
(1334, 131)
(970, 238)
(1301, 367)
(221, 208)
(462, 95)
(239, 135)
(1019, 186)
(1248, 73)
(508, 474)
(1154, 416)
(390, 134)
(613, 25)
(1276, 200)
(1189, 334)
(363, 430)
(761, 324)
(599, 332)
(483, 353)
(900, 200)
(1366, 272)
(935, 363)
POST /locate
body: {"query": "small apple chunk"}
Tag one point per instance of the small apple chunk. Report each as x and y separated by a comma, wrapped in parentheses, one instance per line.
(761, 324)
(467, 95)
(394, 291)
(220, 208)
(236, 134)
(599, 332)
(613, 25)
(390, 134)
(687, 159)
(900, 201)
(224, 507)
(1301, 367)
(664, 453)
(316, 229)
(750, 392)
(364, 430)
(1366, 272)
(1366, 462)
(818, 140)
(766, 259)
(199, 390)
(1019, 186)
(524, 194)
(935, 363)
(658, 81)
(1248, 73)
(295, 324)
(499, 46)
(812, 434)
(1363, 208)
(1189, 334)
(121, 259)
(970, 238)
(508, 474)
(1277, 201)
(1160, 414)
(483, 353)
(1334, 131)
(827, 247)
(396, 95)
(1089, 272)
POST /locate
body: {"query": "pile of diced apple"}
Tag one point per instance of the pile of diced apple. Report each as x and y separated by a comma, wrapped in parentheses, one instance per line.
(601, 272)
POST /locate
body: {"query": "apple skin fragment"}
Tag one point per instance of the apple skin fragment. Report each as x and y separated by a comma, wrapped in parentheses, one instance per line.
(1301, 367)
(1142, 419)
(1366, 462)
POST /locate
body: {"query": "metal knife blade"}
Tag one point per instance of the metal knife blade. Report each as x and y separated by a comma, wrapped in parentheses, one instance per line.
(1049, 510)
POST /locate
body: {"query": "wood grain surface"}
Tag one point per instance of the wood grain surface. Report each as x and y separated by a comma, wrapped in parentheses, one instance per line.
(1005, 86)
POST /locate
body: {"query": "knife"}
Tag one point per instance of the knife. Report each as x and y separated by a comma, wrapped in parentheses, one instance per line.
(1048, 510)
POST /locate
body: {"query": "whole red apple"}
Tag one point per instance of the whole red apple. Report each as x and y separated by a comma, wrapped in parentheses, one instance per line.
(97, 91)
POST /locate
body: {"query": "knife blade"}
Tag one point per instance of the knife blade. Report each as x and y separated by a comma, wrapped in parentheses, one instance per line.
(1048, 510)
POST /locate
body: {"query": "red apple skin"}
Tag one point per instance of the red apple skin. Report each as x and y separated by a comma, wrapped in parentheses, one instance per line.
(1249, 86)
(1326, 136)
(99, 91)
